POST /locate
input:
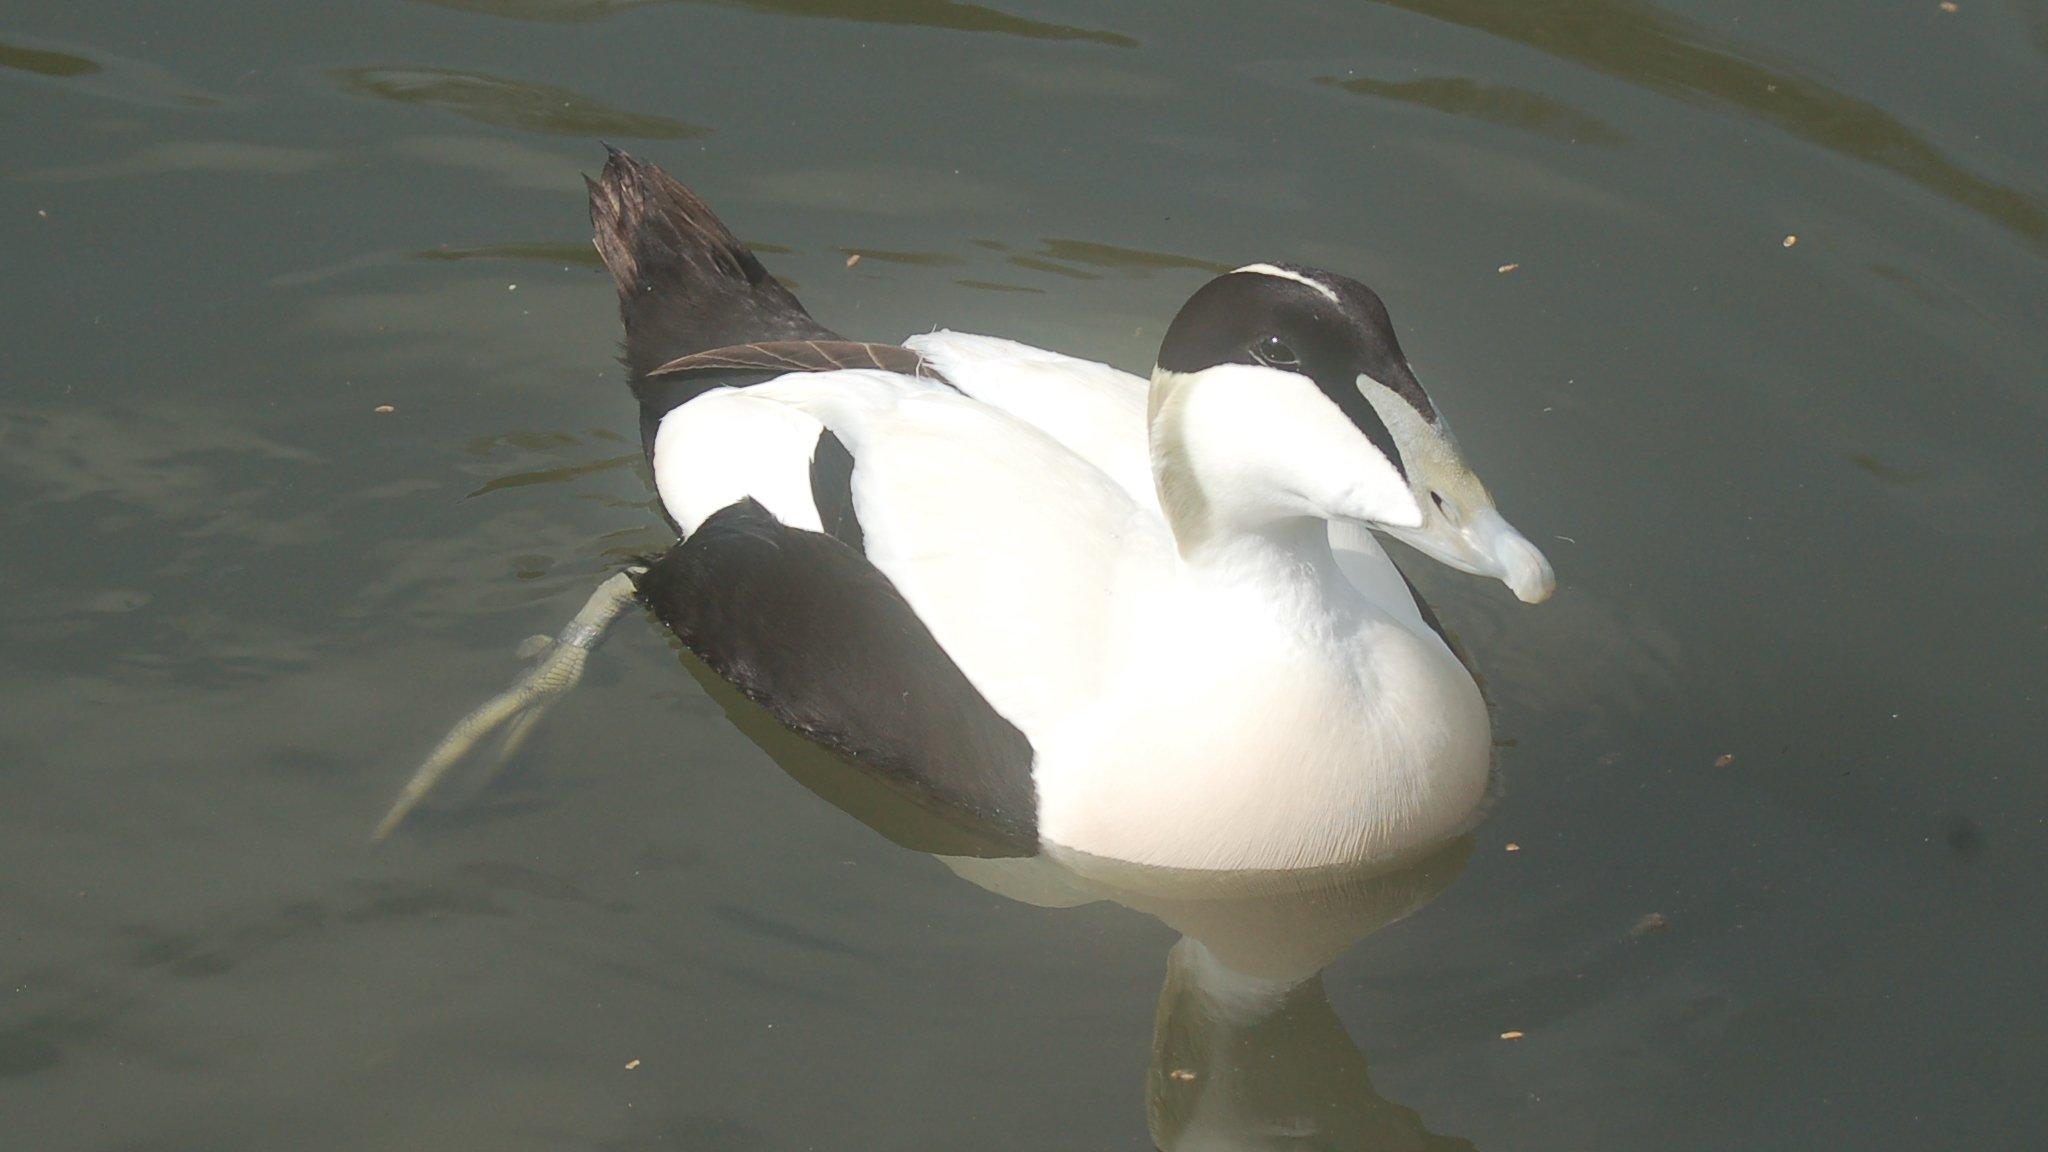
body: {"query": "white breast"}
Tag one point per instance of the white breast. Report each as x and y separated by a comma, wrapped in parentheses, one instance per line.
(1230, 743)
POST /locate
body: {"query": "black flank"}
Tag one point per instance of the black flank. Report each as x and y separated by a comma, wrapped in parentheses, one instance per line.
(802, 624)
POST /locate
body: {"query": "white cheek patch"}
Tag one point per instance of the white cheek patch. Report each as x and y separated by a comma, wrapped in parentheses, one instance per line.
(1271, 442)
(1380, 496)
(1368, 485)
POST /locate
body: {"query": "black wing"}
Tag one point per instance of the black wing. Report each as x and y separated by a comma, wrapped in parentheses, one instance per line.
(801, 624)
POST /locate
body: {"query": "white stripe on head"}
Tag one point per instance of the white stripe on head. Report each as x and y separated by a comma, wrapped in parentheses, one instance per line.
(1288, 274)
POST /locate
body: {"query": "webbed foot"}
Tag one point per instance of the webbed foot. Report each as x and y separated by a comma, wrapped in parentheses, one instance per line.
(519, 708)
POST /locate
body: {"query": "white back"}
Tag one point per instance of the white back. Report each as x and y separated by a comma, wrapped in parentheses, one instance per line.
(1097, 412)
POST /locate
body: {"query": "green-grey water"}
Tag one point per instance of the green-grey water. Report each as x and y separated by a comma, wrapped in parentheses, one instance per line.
(1737, 306)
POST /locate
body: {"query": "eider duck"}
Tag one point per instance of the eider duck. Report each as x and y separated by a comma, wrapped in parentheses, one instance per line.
(1139, 620)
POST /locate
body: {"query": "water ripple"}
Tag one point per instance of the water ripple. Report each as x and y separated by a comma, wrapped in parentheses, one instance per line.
(509, 103)
(1633, 42)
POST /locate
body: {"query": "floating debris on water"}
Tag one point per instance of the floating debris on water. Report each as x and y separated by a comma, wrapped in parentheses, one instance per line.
(1650, 922)
(1505, 268)
(1511, 1035)
(853, 259)
(1724, 759)
(384, 408)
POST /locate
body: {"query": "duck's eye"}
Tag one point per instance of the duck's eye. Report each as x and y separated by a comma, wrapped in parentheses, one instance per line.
(1273, 352)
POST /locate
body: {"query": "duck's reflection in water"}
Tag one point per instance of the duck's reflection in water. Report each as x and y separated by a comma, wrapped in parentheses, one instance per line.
(1250, 1061)
(1246, 1051)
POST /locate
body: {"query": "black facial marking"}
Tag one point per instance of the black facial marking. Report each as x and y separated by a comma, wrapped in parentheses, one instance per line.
(1255, 318)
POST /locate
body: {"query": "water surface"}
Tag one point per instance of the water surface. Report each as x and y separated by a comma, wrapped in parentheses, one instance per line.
(1735, 305)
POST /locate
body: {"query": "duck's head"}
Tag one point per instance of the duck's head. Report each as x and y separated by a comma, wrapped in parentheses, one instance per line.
(1281, 392)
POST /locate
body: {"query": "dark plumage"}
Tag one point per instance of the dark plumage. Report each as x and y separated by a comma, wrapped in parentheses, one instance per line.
(798, 621)
(686, 285)
(802, 624)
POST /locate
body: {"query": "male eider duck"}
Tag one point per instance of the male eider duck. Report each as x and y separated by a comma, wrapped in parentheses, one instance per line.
(1142, 621)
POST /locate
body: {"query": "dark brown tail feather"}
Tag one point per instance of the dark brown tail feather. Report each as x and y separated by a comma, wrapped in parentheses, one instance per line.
(686, 283)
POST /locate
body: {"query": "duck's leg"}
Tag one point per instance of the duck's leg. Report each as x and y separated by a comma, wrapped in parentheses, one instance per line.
(521, 727)
(520, 707)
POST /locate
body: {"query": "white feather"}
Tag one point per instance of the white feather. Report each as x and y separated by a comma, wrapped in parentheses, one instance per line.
(1247, 732)
(1255, 444)
(1211, 714)
(1095, 411)
(1098, 412)
(727, 445)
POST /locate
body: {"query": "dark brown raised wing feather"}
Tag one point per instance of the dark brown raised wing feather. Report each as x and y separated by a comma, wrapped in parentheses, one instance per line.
(802, 356)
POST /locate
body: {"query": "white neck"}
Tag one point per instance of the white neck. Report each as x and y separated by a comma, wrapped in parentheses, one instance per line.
(1229, 533)
(1285, 567)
